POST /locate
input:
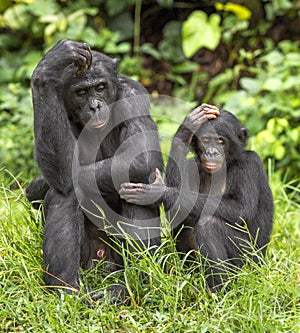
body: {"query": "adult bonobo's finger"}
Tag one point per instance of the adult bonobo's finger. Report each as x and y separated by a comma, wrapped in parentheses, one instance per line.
(87, 53)
(215, 112)
(158, 177)
(131, 185)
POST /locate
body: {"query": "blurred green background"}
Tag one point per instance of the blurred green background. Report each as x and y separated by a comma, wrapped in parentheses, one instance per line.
(242, 55)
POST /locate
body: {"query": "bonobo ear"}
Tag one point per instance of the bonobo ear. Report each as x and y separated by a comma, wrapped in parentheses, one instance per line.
(243, 134)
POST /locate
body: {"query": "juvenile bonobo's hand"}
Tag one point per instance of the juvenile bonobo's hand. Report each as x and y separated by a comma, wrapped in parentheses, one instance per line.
(67, 52)
(196, 118)
(143, 194)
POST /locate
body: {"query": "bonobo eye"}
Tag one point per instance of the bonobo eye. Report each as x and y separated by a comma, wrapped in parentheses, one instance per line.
(81, 92)
(221, 141)
(100, 87)
(205, 139)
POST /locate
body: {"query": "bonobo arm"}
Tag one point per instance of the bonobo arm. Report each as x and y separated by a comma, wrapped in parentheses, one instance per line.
(54, 140)
(135, 159)
(240, 200)
(143, 194)
(138, 153)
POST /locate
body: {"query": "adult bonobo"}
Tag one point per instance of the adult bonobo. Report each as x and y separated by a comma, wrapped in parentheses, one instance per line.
(93, 131)
(211, 197)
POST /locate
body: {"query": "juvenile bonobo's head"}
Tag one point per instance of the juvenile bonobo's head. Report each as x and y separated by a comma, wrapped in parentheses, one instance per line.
(87, 95)
(219, 141)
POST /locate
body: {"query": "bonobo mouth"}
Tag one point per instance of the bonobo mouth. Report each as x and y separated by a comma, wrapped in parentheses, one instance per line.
(98, 125)
(212, 166)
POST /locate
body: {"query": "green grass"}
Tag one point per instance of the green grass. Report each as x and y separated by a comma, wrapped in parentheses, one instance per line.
(172, 298)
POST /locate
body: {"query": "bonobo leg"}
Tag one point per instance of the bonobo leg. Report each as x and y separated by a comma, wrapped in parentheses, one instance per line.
(143, 224)
(218, 243)
(64, 237)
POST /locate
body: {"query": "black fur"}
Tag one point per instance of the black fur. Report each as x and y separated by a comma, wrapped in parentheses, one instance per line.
(73, 90)
(239, 192)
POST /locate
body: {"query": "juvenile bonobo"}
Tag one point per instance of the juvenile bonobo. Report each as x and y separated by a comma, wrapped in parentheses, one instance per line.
(92, 131)
(212, 196)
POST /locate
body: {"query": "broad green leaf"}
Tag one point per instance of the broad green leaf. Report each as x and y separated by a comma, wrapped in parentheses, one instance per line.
(293, 59)
(273, 58)
(16, 17)
(272, 84)
(200, 31)
(251, 85)
(40, 7)
(3, 5)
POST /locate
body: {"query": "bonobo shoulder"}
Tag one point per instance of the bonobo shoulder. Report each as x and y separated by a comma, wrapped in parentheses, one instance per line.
(253, 159)
(252, 155)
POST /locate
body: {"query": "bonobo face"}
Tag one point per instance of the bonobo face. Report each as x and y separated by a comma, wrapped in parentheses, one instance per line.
(88, 102)
(88, 96)
(211, 151)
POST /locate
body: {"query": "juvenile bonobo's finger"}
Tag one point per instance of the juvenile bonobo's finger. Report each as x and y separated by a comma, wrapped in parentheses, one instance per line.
(215, 112)
(212, 112)
(198, 109)
(211, 116)
(209, 106)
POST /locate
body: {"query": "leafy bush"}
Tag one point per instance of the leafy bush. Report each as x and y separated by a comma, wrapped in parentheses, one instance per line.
(267, 100)
(16, 131)
(250, 74)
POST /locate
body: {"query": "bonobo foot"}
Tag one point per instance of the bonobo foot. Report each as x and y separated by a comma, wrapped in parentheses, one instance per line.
(117, 294)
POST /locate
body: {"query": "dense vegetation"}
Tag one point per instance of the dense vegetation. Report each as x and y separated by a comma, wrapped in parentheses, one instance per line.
(241, 55)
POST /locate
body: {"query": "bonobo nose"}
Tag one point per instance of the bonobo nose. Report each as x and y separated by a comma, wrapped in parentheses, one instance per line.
(211, 151)
(94, 106)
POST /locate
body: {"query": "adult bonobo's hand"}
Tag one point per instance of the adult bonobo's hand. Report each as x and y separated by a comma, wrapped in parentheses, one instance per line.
(68, 52)
(143, 194)
(195, 119)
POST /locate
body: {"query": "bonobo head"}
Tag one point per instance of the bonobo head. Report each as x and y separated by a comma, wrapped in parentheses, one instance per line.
(86, 96)
(219, 141)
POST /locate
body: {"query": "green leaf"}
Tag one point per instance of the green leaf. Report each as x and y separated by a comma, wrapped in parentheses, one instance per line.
(185, 67)
(115, 7)
(17, 17)
(200, 31)
(4, 4)
(40, 7)
(148, 48)
(273, 58)
(253, 86)
(272, 84)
